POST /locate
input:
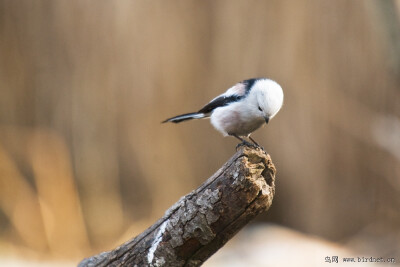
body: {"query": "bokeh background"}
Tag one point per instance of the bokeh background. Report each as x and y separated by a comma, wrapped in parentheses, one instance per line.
(85, 163)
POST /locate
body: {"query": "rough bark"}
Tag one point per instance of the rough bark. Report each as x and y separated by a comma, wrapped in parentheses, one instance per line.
(201, 222)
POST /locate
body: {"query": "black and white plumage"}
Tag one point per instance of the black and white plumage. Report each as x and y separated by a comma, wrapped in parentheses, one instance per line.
(242, 109)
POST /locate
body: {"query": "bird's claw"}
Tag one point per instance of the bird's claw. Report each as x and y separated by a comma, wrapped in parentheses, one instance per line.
(260, 147)
(245, 143)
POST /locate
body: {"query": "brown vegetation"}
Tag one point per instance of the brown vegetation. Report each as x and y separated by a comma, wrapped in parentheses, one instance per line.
(84, 86)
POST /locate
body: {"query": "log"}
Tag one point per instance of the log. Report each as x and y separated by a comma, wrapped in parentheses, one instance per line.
(201, 222)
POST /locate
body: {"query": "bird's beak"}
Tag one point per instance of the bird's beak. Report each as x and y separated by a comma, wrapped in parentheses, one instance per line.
(266, 120)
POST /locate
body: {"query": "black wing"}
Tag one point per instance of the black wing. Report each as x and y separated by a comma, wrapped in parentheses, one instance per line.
(224, 100)
(220, 102)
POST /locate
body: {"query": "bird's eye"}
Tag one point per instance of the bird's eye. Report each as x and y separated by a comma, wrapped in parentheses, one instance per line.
(259, 108)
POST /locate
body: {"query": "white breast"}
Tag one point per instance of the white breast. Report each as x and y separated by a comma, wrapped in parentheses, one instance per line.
(235, 119)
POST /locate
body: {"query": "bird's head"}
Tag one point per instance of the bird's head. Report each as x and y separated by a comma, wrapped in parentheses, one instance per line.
(269, 98)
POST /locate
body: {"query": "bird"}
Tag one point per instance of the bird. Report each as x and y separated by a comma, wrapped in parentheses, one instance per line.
(241, 110)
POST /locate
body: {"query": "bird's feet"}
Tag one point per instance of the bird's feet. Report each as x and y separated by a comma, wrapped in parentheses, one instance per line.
(245, 143)
(257, 145)
(254, 144)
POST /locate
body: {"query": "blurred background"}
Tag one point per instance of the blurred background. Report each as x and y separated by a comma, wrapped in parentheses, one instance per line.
(85, 163)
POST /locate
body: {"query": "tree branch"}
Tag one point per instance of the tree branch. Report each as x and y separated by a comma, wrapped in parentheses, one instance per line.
(201, 222)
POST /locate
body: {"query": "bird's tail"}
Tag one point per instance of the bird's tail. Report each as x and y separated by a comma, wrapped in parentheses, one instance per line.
(185, 117)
